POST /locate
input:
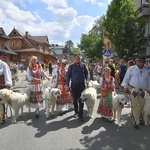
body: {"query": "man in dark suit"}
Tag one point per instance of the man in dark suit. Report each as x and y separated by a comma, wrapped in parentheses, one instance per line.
(78, 75)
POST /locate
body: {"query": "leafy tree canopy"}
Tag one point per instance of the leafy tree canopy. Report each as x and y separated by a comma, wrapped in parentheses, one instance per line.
(124, 29)
(91, 44)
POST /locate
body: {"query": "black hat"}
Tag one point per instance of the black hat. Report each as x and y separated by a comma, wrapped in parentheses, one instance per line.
(140, 59)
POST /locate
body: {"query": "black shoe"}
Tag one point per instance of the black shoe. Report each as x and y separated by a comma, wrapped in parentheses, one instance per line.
(136, 126)
(3, 121)
(75, 115)
(142, 122)
(81, 119)
(109, 120)
(61, 113)
(37, 113)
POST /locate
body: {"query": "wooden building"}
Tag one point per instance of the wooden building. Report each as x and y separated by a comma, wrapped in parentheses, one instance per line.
(4, 46)
(26, 46)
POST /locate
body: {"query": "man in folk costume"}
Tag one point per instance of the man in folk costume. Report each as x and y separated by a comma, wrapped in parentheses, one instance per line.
(107, 85)
(137, 81)
(5, 81)
(35, 74)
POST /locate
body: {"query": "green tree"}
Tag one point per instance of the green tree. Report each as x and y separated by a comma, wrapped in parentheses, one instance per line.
(98, 26)
(69, 46)
(148, 1)
(75, 51)
(92, 45)
(123, 27)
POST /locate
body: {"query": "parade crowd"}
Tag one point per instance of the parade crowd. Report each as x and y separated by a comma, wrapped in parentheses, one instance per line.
(73, 77)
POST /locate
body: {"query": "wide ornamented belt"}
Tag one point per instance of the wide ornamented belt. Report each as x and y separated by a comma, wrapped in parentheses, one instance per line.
(137, 92)
(135, 87)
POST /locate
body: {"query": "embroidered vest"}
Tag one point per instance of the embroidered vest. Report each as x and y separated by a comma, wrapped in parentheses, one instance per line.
(108, 86)
(2, 81)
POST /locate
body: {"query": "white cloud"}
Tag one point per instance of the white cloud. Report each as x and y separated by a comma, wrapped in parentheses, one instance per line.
(109, 1)
(53, 3)
(64, 15)
(86, 22)
(65, 26)
(91, 1)
(101, 4)
(12, 13)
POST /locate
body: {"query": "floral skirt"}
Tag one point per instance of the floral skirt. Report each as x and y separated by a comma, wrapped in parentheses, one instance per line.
(64, 104)
(36, 95)
(105, 108)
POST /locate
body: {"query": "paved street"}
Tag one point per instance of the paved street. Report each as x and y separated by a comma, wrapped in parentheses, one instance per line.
(67, 133)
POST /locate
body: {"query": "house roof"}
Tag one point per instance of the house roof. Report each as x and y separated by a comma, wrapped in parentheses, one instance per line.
(27, 50)
(3, 34)
(17, 37)
(30, 50)
(41, 39)
(8, 50)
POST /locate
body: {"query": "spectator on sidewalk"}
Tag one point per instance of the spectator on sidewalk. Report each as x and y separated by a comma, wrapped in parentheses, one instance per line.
(130, 63)
(122, 71)
(50, 68)
(111, 65)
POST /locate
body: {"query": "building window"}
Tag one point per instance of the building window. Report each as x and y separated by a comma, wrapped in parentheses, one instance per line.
(1, 45)
(12, 44)
(7, 43)
(22, 58)
(144, 2)
(17, 43)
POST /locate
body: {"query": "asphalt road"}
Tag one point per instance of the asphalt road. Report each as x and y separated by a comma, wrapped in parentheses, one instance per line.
(67, 133)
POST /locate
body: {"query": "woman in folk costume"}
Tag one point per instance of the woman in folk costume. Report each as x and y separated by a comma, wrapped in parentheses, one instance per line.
(63, 104)
(107, 85)
(35, 74)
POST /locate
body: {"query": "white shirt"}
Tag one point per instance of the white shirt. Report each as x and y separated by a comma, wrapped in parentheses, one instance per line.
(5, 70)
(137, 77)
(54, 72)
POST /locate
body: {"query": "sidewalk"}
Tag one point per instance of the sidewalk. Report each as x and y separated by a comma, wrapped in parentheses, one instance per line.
(22, 82)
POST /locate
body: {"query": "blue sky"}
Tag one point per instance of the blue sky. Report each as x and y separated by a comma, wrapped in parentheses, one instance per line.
(60, 20)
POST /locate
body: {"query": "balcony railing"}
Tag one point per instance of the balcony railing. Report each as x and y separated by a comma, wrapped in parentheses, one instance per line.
(144, 10)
